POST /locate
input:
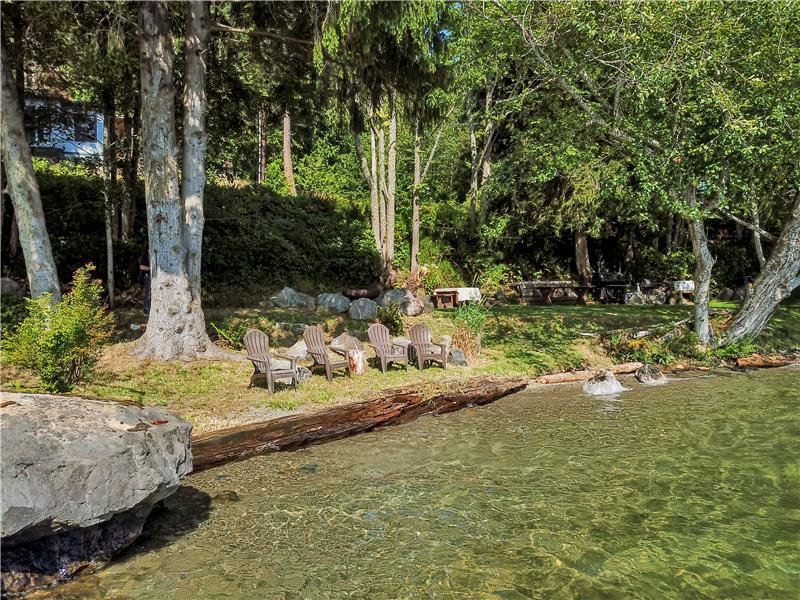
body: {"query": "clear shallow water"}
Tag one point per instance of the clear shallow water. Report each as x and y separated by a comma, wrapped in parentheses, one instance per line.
(688, 490)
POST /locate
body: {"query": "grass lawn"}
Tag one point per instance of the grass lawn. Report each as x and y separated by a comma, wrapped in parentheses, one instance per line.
(517, 340)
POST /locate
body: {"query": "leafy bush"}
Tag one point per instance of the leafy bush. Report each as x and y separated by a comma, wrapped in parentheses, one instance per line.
(61, 342)
(392, 318)
(660, 266)
(496, 277)
(232, 330)
(469, 321)
(659, 350)
(739, 349)
(13, 311)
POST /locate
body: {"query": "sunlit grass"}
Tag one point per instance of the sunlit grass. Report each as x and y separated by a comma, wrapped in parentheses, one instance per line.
(517, 340)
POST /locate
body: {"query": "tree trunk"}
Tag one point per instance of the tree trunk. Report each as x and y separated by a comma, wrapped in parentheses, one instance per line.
(391, 186)
(262, 143)
(704, 263)
(473, 177)
(777, 280)
(176, 327)
(415, 206)
(370, 174)
(668, 236)
(288, 171)
(109, 179)
(128, 212)
(756, 235)
(582, 261)
(24, 190)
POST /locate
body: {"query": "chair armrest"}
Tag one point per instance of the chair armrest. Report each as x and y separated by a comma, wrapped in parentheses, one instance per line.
(445, 347)
(291, 359)
(260, 358)
(340, 352)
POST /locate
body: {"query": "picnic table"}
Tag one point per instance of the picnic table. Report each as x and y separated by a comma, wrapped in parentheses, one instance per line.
(450, 297)
(528, 290)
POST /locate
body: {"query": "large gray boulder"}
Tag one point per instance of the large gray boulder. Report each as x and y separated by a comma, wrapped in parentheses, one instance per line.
(333, 302)
(298, 350)
(9, 287)
(79, 479)
(291, 298)
(395, 296)
(363, 309)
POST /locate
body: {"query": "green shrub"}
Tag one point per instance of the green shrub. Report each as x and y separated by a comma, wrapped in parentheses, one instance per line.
(61, 342)
(13, 310)
(739, 349)
(469, 321)
(232, 329)
(392, 318)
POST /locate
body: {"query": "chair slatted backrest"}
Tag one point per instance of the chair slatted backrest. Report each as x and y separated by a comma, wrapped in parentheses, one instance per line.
(421, 337)
(378, 335)
(315, 342)
(256, 343)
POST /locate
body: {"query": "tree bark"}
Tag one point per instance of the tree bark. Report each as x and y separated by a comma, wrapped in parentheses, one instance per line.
(391, 186)
(668, 236)
(369, 175)
(132, 132)
(175, 328)
(582, 261)
(288, 171)
(24, 189)
(704, 263)
(473, 178)
(757, 246)
(109, 179)
(415, 205)
(262, 143)
(779, 277)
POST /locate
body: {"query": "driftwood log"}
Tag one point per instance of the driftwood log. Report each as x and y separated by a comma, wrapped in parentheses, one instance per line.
(391, 407)
(572, 376)
(758, 361)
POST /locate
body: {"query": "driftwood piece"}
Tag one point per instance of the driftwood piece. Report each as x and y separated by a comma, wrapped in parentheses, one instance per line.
(391, 407)
(759, 361)
(572, 376)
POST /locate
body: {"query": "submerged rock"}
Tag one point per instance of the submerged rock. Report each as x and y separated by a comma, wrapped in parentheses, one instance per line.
(603, 384)
(291, 298)
(649, 374)
(79, 479)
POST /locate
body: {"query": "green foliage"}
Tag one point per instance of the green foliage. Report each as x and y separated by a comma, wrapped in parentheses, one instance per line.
(660, 266)
(659, 350)
(740, 349)
(233, 329)
(13, 310)
(62, 342)
(469, 320)
(392, 318)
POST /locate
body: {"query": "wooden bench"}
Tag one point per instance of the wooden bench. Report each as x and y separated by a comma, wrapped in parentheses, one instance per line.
(530, 290)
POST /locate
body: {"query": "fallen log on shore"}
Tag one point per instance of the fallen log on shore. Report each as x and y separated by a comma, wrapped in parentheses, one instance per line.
(573, 376)
(758, 361)
(391, 407)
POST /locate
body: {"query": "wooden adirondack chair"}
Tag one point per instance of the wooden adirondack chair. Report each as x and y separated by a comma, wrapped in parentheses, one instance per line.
(386, 352)
(425, 348)
(257, 345)
(315, 342)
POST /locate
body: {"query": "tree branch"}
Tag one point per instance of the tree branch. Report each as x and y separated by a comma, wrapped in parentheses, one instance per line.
(747, 224)
(220, 28)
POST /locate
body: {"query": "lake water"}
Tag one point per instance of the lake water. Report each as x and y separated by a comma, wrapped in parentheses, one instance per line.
(687, 490)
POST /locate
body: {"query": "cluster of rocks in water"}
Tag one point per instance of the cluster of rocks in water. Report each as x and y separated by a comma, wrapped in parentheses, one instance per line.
(360, 309)
(79, 479)
(606, 383)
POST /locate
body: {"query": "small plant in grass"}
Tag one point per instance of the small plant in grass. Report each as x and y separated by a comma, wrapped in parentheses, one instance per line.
(61, 342)
(469, 320)
(392, 318)
(232, 330)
